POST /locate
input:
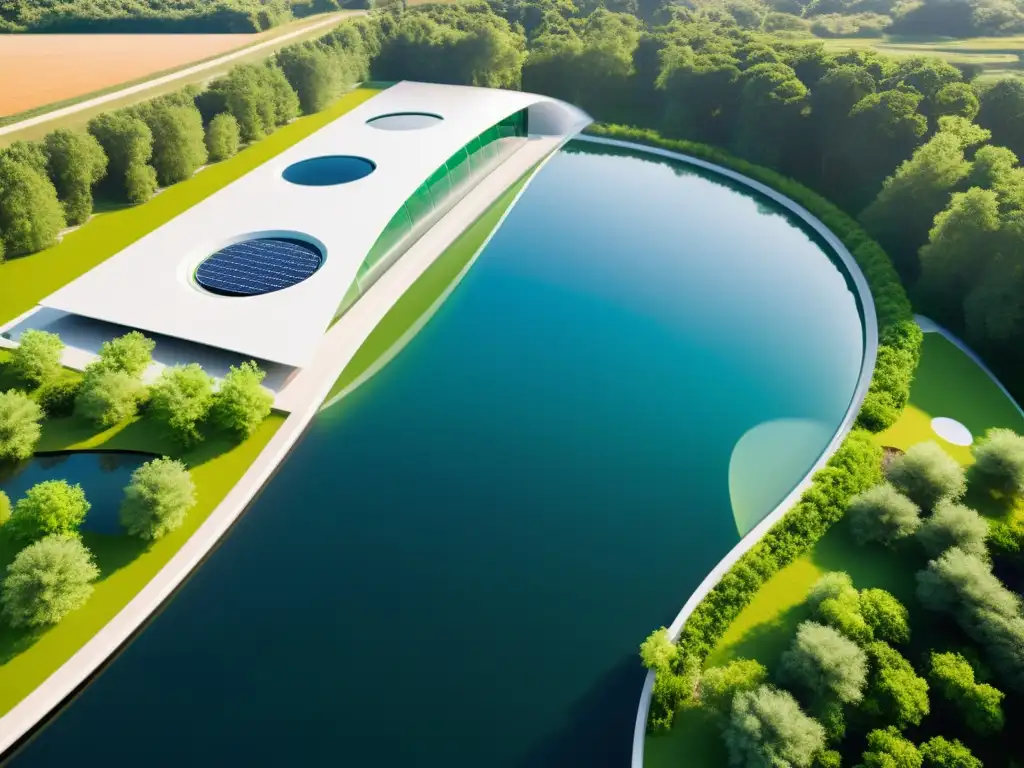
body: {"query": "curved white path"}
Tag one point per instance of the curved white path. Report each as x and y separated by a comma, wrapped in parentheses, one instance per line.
(182, 73)
(867, 368)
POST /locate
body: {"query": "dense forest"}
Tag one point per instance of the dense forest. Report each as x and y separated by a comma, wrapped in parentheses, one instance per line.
(157, 15)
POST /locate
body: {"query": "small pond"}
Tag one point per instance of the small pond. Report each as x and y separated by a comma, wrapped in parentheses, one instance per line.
(102, 475)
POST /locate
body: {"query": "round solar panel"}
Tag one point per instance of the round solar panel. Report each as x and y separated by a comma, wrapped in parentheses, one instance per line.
(255, 267)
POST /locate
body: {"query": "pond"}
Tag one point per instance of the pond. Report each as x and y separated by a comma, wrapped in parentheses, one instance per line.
(102, 475)
(457, 565)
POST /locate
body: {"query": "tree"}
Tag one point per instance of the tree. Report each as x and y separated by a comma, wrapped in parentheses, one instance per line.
(242, 403)
(181, 399)
(999, 460)
(927, 475)
(882, 514)
(222, 137)
(30, 215)
(825, 663)
(901, 216)
(5, 509)
(964, 585)
(37, 356)
(1002, 112)
(895, 691)
(57, 397)
(767, 727)
(312, 73)
(772, 102)
(958, 99)
(658, 652)
(179, 143)
(720, 685)
(257, 95)
(49, 507)
(128, 144)
(159, 497)
(890, 749)
(953, 525)
(46, 581)
(28, 153)
(887, 616)
(108, 397)
(131, 354)
(75, 162)
(938, 752)
(19, 425)
(831, 586)
(980, 703)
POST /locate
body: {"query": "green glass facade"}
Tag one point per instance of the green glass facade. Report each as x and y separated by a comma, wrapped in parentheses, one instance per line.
(434, 197)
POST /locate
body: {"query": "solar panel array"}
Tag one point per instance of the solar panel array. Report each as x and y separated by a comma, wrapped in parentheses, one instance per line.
(254, 267)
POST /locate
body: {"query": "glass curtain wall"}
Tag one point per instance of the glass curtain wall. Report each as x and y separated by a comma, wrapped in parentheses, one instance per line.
(435, 197)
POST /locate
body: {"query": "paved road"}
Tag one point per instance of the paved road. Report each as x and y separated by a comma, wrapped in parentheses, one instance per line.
(197, 69)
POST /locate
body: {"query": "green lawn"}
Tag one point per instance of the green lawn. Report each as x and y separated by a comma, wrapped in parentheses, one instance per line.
(26, 280)
(383, 341)
(126, 564)
(998, 56)
(947, 383)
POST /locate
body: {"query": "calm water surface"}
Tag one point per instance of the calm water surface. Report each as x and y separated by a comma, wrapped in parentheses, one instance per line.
(457, 564)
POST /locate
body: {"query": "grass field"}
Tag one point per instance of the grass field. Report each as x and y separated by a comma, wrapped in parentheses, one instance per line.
(126, 564)
(998, 56)
(947, 383)
(26, 280)
(304, 29)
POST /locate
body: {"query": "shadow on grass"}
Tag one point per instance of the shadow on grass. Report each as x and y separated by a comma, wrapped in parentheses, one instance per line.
(766, 641)
(869, 565)
(695, 740)
(991, 504)
(113, 553)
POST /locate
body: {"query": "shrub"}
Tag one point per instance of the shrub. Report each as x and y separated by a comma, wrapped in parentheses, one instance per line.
(108, 397)
(843, 615)
(37, 356)
(5, 509)
(180, 399)
(895, 691)
(940, 753)
(658, 652)
(669, 692)
(19, 425)
(242, 403)
(980, 704)
(160, 495)
(832, 585)
(928, 475)
(825, 663)
(57, 397)
(222, 138)
(828, 759)
(953, 525)
(131, 354)
(999, 460)
(887, 616)
(890, 749)
(720, 685)
(767, 726)
(46, 581)
(882, 514)
(49, 507)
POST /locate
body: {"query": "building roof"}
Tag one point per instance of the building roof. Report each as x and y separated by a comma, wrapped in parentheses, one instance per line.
(149, 285)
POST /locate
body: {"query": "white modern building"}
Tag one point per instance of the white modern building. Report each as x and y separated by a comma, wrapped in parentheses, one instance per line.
(264, 267)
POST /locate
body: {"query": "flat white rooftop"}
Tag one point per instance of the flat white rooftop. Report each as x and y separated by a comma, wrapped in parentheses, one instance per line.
(150, 286)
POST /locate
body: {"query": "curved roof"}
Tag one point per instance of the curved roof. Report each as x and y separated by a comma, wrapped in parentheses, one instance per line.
(149, 284)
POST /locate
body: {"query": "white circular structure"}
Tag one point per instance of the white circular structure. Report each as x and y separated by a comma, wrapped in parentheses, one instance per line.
(952, 431)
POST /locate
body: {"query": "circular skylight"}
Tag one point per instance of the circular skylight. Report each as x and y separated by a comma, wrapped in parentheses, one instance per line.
(952, 431)
(255, 267)
(328, 170)
(404, 121)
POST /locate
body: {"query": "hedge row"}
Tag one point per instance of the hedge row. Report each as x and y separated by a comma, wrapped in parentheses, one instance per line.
(899, 337)
(855, 467)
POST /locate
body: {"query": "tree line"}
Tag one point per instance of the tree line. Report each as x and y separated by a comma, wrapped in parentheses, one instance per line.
(155, 16)
(128, 154)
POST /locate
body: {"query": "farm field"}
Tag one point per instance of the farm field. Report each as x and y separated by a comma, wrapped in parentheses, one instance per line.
(76, 68)
(998, 56)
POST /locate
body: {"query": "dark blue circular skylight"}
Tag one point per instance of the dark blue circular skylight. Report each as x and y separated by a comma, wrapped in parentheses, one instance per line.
(328, 170)
(255, 267)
